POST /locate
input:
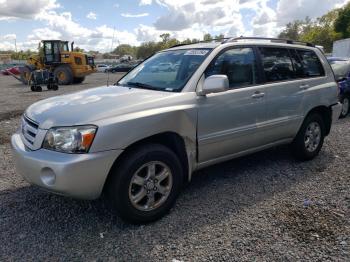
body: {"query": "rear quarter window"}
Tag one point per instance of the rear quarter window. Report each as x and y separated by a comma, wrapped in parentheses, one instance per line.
(312, 65)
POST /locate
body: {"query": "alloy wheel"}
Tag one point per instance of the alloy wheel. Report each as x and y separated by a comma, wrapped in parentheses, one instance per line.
(312, 136)
(150, 186)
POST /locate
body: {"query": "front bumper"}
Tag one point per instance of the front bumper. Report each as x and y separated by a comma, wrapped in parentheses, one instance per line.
(336, 110)
(76, 175)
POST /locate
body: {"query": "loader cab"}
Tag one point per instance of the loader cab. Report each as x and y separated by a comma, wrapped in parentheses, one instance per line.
(52, 50)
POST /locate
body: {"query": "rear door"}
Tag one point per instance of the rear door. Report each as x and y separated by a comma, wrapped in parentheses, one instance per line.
(288, 77)
(228, 122)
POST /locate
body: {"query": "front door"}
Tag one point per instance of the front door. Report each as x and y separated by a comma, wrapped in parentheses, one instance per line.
(228, 122)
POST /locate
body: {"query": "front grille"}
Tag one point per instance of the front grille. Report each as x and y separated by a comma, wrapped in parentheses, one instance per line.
(29, 129)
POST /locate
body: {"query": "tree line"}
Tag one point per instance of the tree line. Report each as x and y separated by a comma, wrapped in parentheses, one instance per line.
(322, 31)
(333, 26)
(149, 48)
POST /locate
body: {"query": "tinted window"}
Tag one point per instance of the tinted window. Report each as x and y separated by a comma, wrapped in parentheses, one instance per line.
(297, 63)
(238, 64)
(311, 63)
(277, 64)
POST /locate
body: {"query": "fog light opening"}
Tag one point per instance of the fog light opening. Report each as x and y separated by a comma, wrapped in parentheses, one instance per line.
(48, 176)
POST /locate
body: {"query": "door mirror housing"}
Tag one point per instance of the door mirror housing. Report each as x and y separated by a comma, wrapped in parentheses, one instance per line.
(215, 84)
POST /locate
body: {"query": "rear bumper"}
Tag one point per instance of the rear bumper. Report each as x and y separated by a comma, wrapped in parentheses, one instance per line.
(336, 110)
(76, 175)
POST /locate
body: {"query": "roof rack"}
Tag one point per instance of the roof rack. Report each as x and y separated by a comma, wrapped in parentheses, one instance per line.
(273, 40)
(225, 40)
(206, 41)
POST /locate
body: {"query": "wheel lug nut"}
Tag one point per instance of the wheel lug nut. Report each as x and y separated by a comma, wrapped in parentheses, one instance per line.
(155, 188)
(155, 180)
(148, 191)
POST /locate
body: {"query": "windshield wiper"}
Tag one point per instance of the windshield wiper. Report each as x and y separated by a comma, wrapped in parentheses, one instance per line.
(142, 85)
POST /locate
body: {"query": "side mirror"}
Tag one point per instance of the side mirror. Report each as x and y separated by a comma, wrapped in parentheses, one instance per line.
(215, 84)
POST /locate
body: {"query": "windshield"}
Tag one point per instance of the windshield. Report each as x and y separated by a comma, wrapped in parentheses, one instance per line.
(166, 71)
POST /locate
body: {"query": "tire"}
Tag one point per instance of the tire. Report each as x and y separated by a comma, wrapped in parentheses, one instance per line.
(121, 187)
(345, 108)
(78, 80)
(25, 74)
(36, 88)
(309, 140)
(63, 74)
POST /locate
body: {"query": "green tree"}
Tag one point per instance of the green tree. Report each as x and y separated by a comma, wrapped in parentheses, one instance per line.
(165, 37)
(320, 31)
(293, 30)
(78, 49)
(125, 49)
(207, 37)
(342, 22)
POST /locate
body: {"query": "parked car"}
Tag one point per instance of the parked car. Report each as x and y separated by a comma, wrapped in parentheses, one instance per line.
(140, 141)
(102, 68)
(341, 68)
(121, 68)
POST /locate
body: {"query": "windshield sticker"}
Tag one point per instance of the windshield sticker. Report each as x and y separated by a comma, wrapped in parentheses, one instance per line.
(196, 52)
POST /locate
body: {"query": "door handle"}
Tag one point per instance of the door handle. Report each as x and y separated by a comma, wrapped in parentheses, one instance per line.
(258, 95)
(303, 87)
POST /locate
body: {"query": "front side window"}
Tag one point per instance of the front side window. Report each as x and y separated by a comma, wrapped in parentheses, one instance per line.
(239, 64)
(166, 71)
(311, 63)
(277, 64)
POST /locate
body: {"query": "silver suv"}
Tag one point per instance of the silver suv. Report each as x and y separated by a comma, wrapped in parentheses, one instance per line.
(140, 140)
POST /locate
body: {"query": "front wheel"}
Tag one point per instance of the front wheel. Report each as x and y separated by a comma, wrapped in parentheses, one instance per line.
(64, 75)
(345, 107)
(145, 184)
(309, 140)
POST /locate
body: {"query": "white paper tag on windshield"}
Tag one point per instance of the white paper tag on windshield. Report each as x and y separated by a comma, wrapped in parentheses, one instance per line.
(196, 52)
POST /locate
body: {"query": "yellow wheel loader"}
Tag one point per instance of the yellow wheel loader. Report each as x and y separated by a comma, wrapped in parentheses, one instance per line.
(68, 67)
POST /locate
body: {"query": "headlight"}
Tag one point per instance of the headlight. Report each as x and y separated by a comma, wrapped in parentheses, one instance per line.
(76, 139)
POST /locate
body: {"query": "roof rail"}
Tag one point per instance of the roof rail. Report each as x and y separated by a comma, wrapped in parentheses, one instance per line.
(274, 40)
(205, 41)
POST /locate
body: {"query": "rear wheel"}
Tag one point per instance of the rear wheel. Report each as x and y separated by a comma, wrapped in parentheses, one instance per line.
(78, 80)
(345, 107)
(309, 139)
(145, 184)
(64, 75)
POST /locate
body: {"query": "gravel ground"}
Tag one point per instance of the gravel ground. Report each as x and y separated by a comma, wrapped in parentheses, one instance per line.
(264, 207)
(15, 97)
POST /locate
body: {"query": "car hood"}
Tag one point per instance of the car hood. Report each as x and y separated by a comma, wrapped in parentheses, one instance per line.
(90, 106)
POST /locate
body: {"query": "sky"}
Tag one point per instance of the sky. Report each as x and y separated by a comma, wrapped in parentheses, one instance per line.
(101, 25)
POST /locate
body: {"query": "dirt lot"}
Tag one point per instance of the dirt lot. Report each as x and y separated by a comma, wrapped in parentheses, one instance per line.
(264, 207)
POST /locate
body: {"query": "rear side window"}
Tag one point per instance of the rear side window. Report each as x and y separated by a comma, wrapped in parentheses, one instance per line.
(277, 64)
(239, 64)
(311, 63)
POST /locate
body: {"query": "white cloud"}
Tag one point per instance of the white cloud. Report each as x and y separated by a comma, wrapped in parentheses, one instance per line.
(288, 10)
(182, 19)
(9, 37)
(25, 9)
(145, 2)
(134, 15)
(91, 15)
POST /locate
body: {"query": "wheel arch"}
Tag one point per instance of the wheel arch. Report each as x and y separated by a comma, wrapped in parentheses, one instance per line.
(171, 140)
(326, 114)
